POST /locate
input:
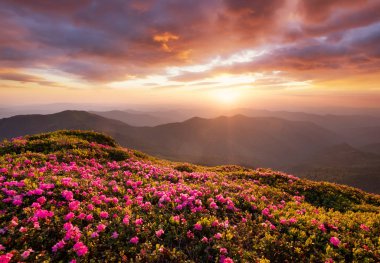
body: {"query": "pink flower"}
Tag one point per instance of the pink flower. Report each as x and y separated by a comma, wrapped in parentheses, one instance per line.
(73, 233)
(322, 227)
(134, 240)
(213, 205)
(218, 236)
(266, 212)
(1, 247)
(103, 214)
(17, 200)
(67, 226)
(215, 223)
(204, 240)
(314, 221)
(80, 249)
(14, 221)
(364, 227)
(139, 221)
(6, 258)
(126, 220)
(101, 227)
(36, 225)
(159, 233)
(43, 214)
(89, 217)
(335, 241)
(26, 253)
(61, 244)
(68, 195)
(74, 205)
(228, 260)
(190, 234)
(82, 216)
(69, 216)
(198, 227)
(115, 235)
(36, 205)
(94, 234)
(41, 200)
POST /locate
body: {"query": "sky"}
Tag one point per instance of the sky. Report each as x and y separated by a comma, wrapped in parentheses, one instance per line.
(222, 53)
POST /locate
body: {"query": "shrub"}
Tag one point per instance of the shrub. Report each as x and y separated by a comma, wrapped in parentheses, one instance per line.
(184, 168)
(117, 154)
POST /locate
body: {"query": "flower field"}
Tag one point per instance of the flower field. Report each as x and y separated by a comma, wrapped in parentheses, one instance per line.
(73, 196)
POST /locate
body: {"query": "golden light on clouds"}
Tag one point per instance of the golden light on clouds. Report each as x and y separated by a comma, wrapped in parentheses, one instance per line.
(184, 55)
(228, 52)
(164, 39)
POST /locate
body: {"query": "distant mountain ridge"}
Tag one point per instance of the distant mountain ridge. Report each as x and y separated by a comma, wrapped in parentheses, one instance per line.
(358, 130)
(292, 146)
(134, 119)
(30, 124)
(242, 140)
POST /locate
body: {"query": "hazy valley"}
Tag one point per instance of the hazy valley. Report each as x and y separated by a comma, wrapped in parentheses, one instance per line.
(337, 148)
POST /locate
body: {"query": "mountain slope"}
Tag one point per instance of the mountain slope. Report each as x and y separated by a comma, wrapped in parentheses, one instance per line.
(366, 135)
(134, 119)
(356, 129)
(343, 164)
(371, 148)
(31, 124)
(250, 141)
(74, 195)
(330, 121)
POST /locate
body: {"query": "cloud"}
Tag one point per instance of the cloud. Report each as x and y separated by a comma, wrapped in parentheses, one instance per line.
(24, 78)
(106, 41)
(164, 39)
(318, 11)
(344, 19)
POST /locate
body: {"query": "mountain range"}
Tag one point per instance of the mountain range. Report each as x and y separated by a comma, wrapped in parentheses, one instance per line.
(342, 149)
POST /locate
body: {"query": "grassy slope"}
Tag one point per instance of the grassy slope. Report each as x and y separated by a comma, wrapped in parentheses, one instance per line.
(208, 214)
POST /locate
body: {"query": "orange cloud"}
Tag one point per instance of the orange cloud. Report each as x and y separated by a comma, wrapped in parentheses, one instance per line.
(164, 39)
(184, 55)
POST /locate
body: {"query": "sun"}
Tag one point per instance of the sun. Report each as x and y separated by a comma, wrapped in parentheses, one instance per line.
(227, 96)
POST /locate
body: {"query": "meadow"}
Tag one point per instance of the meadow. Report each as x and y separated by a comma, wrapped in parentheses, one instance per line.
(77, 196)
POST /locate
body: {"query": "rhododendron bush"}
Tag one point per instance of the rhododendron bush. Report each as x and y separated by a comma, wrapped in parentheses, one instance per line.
(77, 196)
